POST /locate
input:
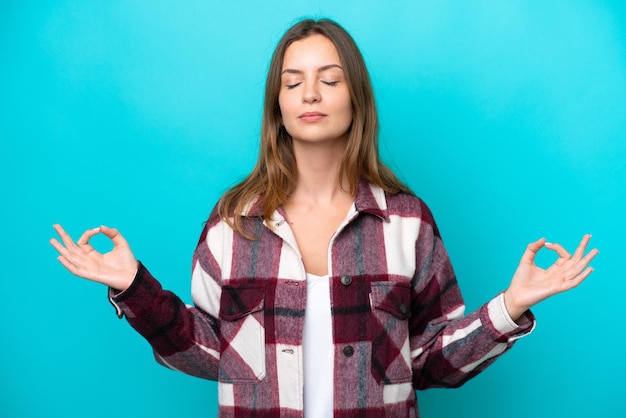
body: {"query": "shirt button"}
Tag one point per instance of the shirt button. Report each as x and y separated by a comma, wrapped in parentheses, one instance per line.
(232, 309)
(346, 280)
(348, 351)
(403, 308)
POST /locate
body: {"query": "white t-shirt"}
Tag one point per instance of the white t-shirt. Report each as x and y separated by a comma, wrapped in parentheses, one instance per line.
(318, 351)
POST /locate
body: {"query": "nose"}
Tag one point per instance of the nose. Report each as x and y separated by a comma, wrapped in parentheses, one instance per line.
(311, 93)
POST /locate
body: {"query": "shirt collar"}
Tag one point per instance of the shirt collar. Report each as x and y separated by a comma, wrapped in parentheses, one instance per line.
(369, 199)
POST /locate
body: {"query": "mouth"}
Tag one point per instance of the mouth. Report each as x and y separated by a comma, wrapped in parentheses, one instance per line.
(311, 116)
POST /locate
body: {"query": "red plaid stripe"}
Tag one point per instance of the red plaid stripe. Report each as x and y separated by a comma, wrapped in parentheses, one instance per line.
(397, 314)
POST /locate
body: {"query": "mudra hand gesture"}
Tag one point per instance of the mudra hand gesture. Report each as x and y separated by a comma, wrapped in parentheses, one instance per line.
(529, 286)
(115, 269)
(532, 284)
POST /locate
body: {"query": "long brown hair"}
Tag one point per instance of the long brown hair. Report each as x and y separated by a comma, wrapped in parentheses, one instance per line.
(274, 177)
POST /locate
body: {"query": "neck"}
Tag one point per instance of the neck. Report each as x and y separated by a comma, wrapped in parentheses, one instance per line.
(318, 172)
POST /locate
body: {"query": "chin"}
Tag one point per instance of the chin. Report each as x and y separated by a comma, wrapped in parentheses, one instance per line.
(317, 139)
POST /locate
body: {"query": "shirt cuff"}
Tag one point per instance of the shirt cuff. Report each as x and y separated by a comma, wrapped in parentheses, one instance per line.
(141, 290)
(504, 324)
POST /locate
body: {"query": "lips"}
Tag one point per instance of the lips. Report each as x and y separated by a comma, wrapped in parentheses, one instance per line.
(312, 116)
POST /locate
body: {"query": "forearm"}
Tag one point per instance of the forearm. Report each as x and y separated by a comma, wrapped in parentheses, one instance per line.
(452, 351)
(182, 337)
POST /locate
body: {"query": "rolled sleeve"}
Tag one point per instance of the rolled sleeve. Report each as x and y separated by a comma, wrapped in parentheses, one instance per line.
(504, 324)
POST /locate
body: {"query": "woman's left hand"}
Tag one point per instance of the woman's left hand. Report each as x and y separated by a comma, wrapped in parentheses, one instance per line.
(532, 284)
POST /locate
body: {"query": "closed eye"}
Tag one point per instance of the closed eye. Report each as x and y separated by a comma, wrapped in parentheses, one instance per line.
(292, 86)
(331, 83)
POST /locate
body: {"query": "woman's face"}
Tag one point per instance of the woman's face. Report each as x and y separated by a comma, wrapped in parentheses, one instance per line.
(314, 98)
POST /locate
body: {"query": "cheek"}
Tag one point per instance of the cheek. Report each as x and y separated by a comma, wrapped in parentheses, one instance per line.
(281, 107)
(346, 104)
(285, 119)
(348, 111)
(284, 104)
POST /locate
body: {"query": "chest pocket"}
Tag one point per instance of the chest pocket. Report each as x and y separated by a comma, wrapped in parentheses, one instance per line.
(242, 334)
(391, 362)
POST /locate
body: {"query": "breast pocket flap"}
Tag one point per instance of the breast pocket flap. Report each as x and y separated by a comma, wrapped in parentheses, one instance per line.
(240, 300)
(392, 297)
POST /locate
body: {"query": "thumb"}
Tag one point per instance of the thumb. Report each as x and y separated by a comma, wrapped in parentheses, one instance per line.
(532, 249)
(114, 235)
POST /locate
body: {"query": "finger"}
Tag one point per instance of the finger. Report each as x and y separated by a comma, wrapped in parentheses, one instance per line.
(578, 279)
(57, 245)
(65, 237)
(558, 248)
(72, 255)
(64, 251)
(579, 266)
(72, 268)
(67, 264)
(590, 255)
(532, 249)
(582, 276)
(580, 250)
(84, 239)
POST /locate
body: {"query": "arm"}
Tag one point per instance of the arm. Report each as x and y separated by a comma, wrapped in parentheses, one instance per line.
(183, 338)
(448, 348)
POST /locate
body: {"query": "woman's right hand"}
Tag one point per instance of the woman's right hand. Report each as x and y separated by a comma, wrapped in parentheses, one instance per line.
(115, 269)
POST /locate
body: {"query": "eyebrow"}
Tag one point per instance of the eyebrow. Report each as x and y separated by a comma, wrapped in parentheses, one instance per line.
(319, 70)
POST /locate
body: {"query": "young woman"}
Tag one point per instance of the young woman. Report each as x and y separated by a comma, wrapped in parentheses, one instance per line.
(321, 284)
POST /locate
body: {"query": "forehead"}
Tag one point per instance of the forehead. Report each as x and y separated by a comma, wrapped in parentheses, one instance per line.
(311, 52)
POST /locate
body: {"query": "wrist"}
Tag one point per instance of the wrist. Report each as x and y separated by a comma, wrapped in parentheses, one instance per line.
(514, 309)
(125, 278)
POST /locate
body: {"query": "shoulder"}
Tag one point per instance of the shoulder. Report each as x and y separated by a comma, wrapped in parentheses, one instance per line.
(210, 223)
(234, 224)
(407, 205)
(374, 199)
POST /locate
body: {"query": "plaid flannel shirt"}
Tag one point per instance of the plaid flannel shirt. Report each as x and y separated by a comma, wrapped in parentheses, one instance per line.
(397, 313)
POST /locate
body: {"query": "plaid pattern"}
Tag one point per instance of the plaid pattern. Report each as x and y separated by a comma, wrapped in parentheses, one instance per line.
(398, 316)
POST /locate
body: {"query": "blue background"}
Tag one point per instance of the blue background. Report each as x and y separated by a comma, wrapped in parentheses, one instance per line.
(508, 118)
